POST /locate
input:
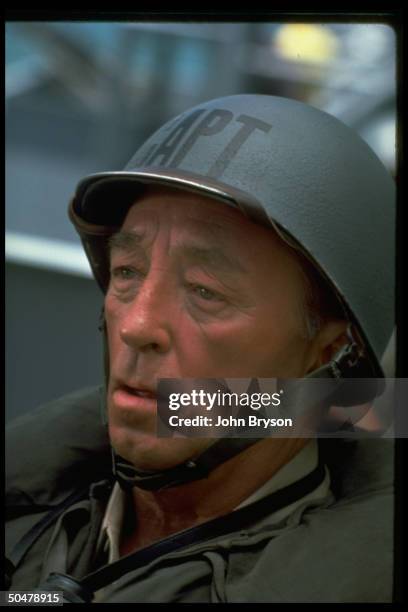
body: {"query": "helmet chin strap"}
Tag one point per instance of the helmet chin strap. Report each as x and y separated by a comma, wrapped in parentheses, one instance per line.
(347, 363)
(192, 469)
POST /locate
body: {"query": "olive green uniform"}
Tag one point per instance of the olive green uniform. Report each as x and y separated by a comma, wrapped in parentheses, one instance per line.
(337, 547)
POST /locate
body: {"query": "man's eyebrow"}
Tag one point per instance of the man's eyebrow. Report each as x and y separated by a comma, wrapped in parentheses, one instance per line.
(124, 241)
(214, 257)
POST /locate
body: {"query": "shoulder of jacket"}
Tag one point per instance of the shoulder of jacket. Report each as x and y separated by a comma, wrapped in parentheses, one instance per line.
(55, 449)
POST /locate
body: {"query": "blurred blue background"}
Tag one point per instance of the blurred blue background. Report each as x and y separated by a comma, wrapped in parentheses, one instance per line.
(82, 96)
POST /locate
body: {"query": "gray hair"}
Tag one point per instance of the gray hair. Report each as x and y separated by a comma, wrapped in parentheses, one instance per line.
(321, 302)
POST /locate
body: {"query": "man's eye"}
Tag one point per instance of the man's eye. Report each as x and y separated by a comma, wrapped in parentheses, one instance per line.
(123, 273)
(206, 294)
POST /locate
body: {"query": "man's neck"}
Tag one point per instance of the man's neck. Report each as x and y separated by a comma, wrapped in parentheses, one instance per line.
(161, 513)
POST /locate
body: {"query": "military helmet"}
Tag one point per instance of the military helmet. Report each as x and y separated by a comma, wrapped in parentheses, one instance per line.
(281, 162)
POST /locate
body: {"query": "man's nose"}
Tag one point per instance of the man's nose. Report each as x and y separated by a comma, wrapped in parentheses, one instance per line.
(146, 324)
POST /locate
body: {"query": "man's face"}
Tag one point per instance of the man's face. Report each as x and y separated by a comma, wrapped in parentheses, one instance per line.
(197, 291)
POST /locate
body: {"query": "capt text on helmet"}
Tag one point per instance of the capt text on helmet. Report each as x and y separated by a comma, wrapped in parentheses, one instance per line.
(227, 248)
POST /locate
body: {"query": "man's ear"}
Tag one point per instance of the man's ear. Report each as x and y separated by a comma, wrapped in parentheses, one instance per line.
(328, 341)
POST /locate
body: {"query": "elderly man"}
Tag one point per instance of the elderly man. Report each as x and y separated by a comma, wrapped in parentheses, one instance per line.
(235, 244)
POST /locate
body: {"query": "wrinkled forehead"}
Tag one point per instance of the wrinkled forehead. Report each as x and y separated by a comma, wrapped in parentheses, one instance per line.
(196, 215)
(209, 231)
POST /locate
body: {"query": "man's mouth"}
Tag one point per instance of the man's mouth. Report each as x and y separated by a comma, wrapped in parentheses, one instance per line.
(138, 391)
(135, 397)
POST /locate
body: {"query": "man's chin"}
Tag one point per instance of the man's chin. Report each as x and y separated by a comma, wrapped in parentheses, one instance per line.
(150, 453)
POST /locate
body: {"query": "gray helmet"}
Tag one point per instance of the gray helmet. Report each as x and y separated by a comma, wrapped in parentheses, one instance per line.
(283, 163)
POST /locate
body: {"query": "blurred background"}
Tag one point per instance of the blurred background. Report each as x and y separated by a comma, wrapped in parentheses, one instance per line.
(82, 96)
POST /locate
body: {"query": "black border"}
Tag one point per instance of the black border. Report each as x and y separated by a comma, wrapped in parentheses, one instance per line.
(394, 18)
